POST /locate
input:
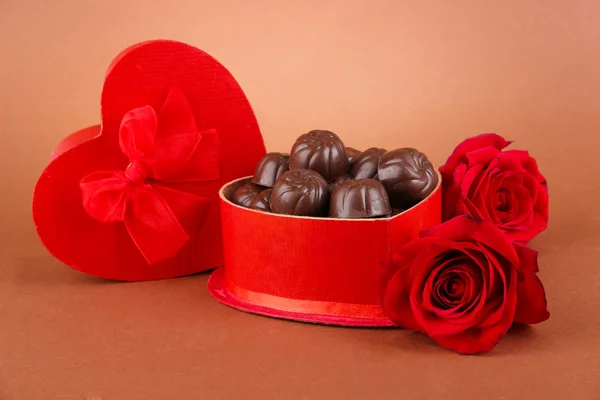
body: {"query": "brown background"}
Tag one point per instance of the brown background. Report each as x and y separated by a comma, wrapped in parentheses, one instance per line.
(385, 73)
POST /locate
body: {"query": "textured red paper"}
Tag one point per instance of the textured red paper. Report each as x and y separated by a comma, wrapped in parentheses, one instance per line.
(143, 75)
(311, 269)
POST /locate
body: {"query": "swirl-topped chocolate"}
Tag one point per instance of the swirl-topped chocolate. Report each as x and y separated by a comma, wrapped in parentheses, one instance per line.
(365, 198)
(244, 194)
(407, 175)
(261, 201)
(300, 192)
(270, 168)
(365, 166)
(321, 151)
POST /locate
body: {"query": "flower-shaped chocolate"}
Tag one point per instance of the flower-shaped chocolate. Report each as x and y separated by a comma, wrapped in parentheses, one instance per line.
(365, 166)
(321, 151)
(364, 198)
(243, 195)
(261, 201)
(407, 175)
(300, 192)
(270, 168)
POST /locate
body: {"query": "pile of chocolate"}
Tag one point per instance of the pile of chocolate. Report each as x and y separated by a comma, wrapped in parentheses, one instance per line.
(321, 177)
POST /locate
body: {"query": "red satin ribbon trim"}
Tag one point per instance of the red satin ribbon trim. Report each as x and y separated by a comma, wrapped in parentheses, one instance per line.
(371, 311)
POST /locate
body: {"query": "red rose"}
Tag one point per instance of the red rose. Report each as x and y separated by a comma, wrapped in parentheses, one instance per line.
(463, 283)
(504, 187)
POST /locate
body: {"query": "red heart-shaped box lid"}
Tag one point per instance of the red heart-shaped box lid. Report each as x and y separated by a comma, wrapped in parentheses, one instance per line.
(136, 198)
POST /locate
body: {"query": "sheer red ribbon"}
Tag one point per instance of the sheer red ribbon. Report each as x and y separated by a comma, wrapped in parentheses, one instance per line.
(162, 149)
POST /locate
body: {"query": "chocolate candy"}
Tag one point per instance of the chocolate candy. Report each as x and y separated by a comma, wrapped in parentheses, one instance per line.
(341, 179)
(321, 151)
(261, 201)
(365, 166)
(270, 168)
(300, 192)
(407, 175)
(244, 194)
(365, 198)
(352, 154)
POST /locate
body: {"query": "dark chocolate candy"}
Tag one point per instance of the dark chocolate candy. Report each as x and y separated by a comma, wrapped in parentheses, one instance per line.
(407, 175)
(300, 192)
(365, 166)
(352, 154)
(270, 168)
(261, 201)
(341, 179)
(365, 198)
(321, 151)
(244, 194)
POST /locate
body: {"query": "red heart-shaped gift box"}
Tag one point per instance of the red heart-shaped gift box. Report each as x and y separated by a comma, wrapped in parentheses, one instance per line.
(136, 198)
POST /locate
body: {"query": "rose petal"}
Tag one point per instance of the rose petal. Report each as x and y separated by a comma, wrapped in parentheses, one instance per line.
(497, 296)
(538, 225)
(410, 251)
(514, 175)
(396, 303)
(510, 160)
(467, 229)
(541, 205)
(532, 307)
(474, 211)
(468, 179)
(471, 144)
(496, 274)
(527, 162)
(519, 235)
(491, 172)
(478, 195)
(528, 258)
(492, 312)
(480, 201)
(531, 166)
(396, 274)
(459, 173)
(482, 156)
(491, 199)
(452, 203)
(531, 297)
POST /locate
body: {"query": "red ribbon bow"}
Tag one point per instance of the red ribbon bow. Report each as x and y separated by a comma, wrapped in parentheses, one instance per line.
(161, 149)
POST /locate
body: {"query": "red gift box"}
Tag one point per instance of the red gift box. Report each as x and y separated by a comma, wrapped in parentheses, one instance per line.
(136, 198)
(320, 270)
